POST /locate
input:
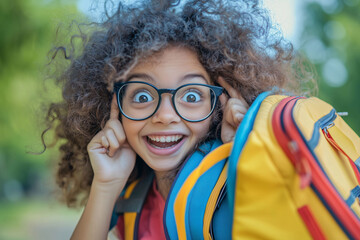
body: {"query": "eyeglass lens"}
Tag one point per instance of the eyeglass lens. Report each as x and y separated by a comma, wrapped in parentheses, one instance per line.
(192, 102)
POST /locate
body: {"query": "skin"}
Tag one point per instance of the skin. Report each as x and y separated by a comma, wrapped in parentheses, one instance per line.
(113, 150)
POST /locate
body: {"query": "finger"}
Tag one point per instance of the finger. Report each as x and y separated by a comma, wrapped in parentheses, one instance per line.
(98, 143)
(233, 93)
(234, 112)
(118, 130)
(230, 119)
(234, 118)
(113, 142)
(227, 132)
(105, 142)
(114, 109)
(238, 104)
(238, 117)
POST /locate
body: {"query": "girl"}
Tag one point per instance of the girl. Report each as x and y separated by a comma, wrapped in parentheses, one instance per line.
(145, 91)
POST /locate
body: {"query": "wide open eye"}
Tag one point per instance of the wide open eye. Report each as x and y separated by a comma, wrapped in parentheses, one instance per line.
(192, 96)
(142, 97)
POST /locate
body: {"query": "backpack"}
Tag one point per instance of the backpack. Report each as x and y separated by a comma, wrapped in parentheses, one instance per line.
(292, 172)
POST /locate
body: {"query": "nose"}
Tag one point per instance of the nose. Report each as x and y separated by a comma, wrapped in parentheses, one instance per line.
(166, 113)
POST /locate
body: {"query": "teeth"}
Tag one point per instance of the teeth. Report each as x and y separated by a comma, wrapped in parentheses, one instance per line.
(164, 139)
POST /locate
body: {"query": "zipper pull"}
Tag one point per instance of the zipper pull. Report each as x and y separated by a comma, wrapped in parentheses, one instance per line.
(325, 129)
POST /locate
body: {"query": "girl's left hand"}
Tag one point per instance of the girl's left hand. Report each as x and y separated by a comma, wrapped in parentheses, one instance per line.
(234, 110)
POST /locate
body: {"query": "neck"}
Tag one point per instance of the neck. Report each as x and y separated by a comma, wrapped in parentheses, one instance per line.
(164, 181)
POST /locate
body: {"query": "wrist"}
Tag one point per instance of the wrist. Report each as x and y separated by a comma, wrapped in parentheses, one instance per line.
(110, 190)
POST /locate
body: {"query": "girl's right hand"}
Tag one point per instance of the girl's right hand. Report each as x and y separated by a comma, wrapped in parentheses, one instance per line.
(111, 157)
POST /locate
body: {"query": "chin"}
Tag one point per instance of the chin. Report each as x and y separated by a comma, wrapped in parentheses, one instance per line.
(165, 168)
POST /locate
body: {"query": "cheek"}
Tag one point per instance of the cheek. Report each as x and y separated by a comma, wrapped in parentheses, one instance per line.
(200, 129)
(131, 129)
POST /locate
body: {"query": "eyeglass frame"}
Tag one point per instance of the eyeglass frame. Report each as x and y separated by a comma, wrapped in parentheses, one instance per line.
(216, 89)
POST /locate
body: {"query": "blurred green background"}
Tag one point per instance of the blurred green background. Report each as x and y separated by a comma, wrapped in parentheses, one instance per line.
(28, 196)
(29, 207)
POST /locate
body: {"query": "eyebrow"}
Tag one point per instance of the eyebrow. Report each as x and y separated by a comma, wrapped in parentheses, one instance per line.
(149, 78)
(190, 76)
(140, 75)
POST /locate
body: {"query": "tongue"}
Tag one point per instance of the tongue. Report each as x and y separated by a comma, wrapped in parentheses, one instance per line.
(162, 144)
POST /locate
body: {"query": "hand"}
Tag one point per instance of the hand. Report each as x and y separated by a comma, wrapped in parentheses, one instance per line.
(111, 157)
(234, 110)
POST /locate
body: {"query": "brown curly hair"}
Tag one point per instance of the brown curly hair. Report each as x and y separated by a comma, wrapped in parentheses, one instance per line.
(233, 39)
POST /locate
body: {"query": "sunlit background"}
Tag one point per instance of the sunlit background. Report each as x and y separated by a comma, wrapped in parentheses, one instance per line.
(326, 31)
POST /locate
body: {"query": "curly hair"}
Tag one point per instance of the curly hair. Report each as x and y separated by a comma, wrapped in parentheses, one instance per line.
(233, 39)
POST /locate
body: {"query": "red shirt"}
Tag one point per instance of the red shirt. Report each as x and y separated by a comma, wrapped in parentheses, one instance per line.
(151, 217)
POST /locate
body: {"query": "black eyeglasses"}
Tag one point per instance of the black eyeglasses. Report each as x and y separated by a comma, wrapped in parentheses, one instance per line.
(192, 102)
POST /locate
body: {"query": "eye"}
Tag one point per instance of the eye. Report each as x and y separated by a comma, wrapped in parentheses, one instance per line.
(191, 96)
(142, 97)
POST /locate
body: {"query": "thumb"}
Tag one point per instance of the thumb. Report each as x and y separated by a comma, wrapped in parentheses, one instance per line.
(227, 133)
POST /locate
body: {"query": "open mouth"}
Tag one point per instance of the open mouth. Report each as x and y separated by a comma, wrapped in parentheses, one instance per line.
(163, 142)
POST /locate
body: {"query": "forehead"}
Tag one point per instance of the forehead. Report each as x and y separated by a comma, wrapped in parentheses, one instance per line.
(171, 63)
(171, 54)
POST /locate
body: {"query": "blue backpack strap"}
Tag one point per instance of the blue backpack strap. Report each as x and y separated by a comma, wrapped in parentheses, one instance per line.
(189, 165)
(240, 139)
(198, 199)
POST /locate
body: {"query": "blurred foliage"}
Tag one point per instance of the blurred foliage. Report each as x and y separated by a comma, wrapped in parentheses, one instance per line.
(331, 40)
(28, 28)
(38, 218)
